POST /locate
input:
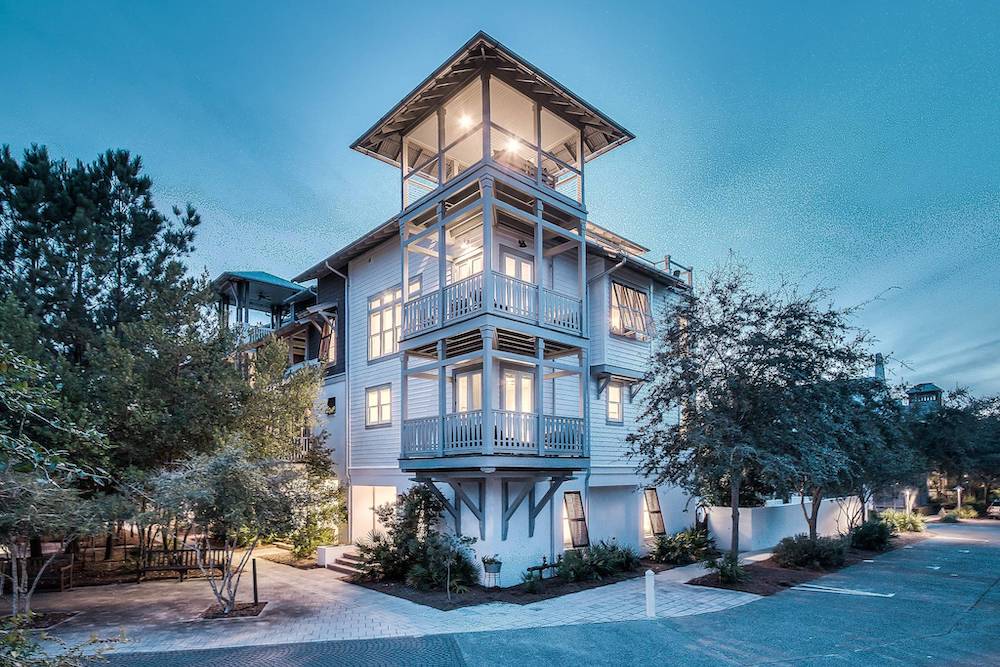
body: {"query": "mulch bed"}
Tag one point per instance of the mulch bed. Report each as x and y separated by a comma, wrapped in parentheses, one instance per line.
(476, 595)
(47, 619)
(766, 577)
(242, 610)
(285, 557)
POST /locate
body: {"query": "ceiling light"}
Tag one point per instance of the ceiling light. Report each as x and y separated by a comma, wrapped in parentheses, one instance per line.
(464, 121)
(512, 145)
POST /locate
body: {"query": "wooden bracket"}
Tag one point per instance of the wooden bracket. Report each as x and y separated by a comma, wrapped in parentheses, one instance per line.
(535, 509)
(509, 508)
(476, 508)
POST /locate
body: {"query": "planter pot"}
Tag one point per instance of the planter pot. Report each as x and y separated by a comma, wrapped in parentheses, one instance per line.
(492, 568)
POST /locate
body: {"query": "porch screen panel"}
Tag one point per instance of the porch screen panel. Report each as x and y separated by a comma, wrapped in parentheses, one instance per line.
(579, 536)
(655, 514)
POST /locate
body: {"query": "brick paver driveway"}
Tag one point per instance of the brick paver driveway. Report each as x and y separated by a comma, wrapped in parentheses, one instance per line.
(313, 605)
(944, 610)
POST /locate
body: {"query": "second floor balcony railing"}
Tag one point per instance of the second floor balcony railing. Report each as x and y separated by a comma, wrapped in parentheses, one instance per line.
(511, 297)
(513, 433)
(251, 333)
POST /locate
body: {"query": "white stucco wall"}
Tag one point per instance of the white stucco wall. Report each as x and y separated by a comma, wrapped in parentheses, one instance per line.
(763, 527)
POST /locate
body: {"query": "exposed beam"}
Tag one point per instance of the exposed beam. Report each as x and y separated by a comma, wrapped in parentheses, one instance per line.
(561, 248)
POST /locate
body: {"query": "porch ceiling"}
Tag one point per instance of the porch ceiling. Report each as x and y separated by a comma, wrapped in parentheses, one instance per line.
(384, 139)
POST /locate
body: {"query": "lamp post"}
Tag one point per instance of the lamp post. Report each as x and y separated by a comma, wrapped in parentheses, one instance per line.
(909, 495)
(959, 489)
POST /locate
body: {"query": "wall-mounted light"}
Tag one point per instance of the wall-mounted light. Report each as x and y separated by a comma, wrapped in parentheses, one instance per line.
(464, 121)
(513, 145)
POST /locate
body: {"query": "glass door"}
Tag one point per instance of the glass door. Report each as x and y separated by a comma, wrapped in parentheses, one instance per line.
(468, 391)
(517, 396)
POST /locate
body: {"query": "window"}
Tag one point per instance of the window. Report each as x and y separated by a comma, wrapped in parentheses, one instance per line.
(468, 391)
(416, 287)
(574, 520)
(385, 322)
(652, 517)
(378, 401)
(328, 342)
(615, 412)
(630, 315)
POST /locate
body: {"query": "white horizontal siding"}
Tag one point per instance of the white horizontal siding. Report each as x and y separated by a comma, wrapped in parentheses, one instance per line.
(372, 273)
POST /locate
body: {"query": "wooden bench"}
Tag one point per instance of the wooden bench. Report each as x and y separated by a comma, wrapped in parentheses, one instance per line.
(181, 561)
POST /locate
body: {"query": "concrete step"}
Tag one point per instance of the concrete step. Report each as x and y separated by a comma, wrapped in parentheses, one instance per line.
(338, 567)
(351, 555)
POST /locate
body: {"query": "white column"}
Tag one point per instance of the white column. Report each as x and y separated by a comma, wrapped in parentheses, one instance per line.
(581, 271)
(540, 394)
(442, 243)
(442, 397)
(404, 386)
(488, 334)
(487, 186)
(585, 398)
(539, 261)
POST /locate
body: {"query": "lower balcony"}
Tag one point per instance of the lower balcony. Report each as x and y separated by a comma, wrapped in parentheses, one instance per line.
(500, 432)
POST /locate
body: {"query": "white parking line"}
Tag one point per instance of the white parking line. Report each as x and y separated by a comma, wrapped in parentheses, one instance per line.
(818, 588)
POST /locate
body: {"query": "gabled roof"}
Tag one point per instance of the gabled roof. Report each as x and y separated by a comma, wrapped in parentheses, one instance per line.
(923, 388)
(384, 139)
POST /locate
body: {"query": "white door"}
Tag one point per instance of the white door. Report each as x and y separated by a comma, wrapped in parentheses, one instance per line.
(517, 395)
(364, 501)
(517, 266)
(469, 391)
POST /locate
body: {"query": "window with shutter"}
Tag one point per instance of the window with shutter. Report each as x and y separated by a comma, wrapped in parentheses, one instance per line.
(576, 520)
(630, 313)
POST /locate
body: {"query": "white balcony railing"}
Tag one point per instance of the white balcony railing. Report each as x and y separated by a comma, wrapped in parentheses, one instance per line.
(513, 433)
(251, 333)
(511, 296)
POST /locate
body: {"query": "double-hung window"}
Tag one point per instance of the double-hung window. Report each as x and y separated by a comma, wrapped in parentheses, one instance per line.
(630, 313)
(385, 319)
(378, 406)
(616, 413)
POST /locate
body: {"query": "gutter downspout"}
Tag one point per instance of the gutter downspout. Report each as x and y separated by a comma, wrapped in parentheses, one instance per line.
(347, 391)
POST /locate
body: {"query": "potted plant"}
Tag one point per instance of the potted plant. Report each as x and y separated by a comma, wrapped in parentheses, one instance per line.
(491, 564)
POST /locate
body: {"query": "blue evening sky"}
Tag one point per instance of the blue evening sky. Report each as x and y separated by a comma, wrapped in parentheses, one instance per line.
(854, 145)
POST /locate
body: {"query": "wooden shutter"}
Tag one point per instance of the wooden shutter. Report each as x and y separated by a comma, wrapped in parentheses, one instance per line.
(655, 515)
(326, 346)
(577, 520)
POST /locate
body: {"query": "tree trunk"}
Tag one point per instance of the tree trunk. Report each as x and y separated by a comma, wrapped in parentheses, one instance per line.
(813, 518)
(109, 543)
(734, 502)
(35, 545)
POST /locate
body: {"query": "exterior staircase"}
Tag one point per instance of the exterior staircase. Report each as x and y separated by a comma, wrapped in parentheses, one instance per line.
(346, 564)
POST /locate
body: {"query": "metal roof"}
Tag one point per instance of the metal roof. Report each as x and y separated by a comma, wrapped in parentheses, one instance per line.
(259, 277)
(384, 139)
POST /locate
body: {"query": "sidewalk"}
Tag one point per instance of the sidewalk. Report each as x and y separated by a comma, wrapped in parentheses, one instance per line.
(313, 605)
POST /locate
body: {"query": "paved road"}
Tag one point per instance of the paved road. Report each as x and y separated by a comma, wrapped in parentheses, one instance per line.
(945, 610)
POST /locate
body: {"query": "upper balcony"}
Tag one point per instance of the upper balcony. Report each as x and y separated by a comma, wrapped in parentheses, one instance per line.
(488, 105)
(490, 249)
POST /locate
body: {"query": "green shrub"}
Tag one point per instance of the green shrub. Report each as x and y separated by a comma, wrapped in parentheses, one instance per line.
(597, 561)
(575, 567)
(446, 564)
(532, 582)
(872, 535)
(901, 522)
(730, 569)
(688, 546)
(800, 551)
(967, 512)
(413, 549)
(950, 517)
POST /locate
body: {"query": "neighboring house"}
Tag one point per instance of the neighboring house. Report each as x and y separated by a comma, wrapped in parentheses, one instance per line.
(924, 398)
(490, 340)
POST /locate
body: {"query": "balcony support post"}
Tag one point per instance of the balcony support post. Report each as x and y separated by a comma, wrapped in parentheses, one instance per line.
(540, 394)
(539, 261)
(442, 397)
(582, 279)
(487, 195)
(488, 388)
(442, 242)
(584, 399)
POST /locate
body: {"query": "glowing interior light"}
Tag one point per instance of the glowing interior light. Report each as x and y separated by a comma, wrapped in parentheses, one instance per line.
(464, 121)
(512, 145)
